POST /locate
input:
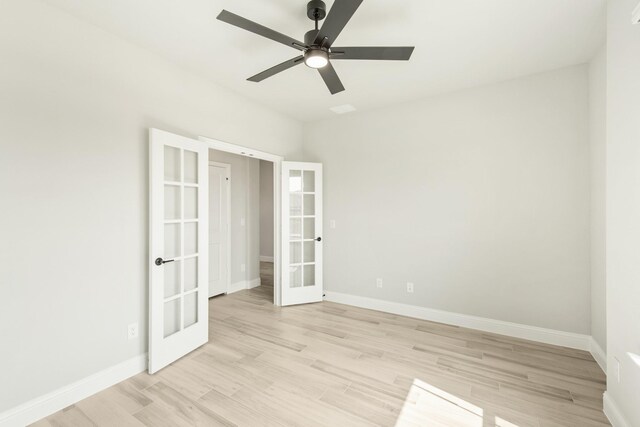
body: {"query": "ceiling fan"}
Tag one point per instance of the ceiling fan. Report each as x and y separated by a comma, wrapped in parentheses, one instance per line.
(318, 50)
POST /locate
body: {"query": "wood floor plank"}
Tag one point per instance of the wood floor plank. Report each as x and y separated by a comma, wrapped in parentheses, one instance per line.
(328, 364)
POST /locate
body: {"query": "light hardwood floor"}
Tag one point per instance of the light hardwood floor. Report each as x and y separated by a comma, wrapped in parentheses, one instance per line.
(328, 364)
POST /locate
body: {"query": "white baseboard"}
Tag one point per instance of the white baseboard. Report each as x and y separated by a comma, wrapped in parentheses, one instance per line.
(238, 286)
(533, 333)
(56, 400)
(613, 413)
(599, 354)
(243, 285)
(264, 258)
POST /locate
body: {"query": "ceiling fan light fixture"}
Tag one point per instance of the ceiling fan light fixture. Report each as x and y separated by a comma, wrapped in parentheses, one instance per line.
(316, 58)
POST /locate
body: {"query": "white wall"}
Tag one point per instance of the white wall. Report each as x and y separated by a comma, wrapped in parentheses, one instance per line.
(245, 215)
(623, 207)
(598, 142)
(266, 208)
(480, 197)
(75, 106)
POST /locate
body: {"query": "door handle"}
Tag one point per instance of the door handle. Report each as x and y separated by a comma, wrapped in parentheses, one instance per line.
(160, 261)
(318, 239)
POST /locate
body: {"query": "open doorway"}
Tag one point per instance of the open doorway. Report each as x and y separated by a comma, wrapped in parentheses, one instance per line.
(241, 224)
(267, 246)
(179, 234)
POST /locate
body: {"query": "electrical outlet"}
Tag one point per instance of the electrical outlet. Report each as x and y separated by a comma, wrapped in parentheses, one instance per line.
(379, 282)
(616, 369)
(410, 287)
(132, 330)
(332, 224)
(243, 267)
(242, 222)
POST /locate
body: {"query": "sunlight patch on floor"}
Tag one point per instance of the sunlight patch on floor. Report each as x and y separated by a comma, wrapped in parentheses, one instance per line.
(428, 405)
(504, 423)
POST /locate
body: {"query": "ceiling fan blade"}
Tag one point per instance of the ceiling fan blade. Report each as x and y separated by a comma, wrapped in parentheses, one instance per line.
(245, 24)
(340, 13)
(373, 53)
(277, 69)
(331, 78)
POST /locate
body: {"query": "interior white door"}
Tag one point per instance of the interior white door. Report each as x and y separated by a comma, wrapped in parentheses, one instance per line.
(301, 233)
(219, 184)
(178, 187)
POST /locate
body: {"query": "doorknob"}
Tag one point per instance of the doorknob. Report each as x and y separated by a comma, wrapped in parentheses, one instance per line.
(160, 261)
(318, 239)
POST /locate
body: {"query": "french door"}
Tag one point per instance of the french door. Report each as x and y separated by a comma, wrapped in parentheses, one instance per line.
(301, 233)
(178, 209)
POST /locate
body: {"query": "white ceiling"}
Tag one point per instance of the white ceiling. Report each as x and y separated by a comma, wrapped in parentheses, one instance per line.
(459, 44)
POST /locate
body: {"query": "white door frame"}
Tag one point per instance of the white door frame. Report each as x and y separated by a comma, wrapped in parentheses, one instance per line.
(277, 194)
(226, 166)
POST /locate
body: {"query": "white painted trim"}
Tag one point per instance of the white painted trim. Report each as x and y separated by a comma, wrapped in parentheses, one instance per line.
(47, 404)
(277, 167)
(240, 150)
(243, 285)
(264, 258)
(534, 333)
(612, 411)
(236, 287)
(226, 166)
(598, 354)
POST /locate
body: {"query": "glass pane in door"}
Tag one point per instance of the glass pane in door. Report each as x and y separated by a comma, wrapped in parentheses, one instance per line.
(309, 204)
(172, 317)
(180, 239)
(295, 278)
(295, 181)
(190, 309)
(309, 180)
(309, 228)
(309, 251)
(171, 164)
(190, 273)
(309, 275)
(171, 241)
(295, 204)
(190, 238)
(190, 202)
(295, 229)
(171, 279)
(190, 167)
(171, 202)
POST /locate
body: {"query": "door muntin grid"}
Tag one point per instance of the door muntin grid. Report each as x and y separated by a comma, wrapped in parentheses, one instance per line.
(302, 228)
(181, 222)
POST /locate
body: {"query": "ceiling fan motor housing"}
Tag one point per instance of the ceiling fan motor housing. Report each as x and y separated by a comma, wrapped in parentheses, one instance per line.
(310, 37)
(316, 10)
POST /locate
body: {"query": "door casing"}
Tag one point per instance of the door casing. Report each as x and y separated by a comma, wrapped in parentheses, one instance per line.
(228, 230)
